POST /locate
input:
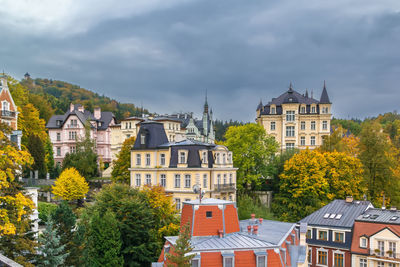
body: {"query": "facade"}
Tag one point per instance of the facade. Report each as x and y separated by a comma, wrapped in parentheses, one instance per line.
(65, 130)
(329, 233)
(376, 239)
(127, 128)
(219, 239)
(296, 120)
(178, 166)
(9, 111)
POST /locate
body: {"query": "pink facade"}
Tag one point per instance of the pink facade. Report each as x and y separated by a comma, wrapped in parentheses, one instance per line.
(65, 130)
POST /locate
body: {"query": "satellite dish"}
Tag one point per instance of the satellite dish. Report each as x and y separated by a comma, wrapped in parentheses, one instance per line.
(196, 189)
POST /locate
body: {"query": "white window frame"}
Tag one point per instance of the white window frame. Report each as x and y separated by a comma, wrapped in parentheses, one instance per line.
(334, 237)
(313, 109)
(327, 234)
(309, 256)
(324, 125)
(303, 109)
(273, 110)
(311, 231)
(177, 181)
(138, 179)
(228, 256)
(273, 126)
(313, 126)
(338, 252)
(302, 140)
(163, 180)
(291, 146)
(312, 140)
(327, 257)
(302, 125)
(204, 157)
(188, 180)
(290, 131)
(290, 115)
(148, 159)
(364, 263)
(5, 105)
(138, 159)
(58, 149)
(148, 179)
(178, 203)
(205, 179)
(259, 256)
(363, 238)
(162, 159)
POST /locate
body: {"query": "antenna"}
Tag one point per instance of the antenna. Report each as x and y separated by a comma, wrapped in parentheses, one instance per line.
(197, 190)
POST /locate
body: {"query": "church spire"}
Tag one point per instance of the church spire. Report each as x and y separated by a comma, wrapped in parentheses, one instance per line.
(324, 96)
(206, 105)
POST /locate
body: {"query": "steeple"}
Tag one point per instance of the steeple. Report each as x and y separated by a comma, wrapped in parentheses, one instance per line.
(324, 96)
(260, 105)
(290, 88)
(206, 105)
(306, 93)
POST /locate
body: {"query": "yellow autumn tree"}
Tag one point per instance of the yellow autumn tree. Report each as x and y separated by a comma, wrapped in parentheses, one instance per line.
(14, 204)
(70, 185)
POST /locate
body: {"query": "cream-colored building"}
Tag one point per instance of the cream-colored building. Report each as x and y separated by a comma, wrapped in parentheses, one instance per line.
(296, 120)
(127, 128)
(178, 166)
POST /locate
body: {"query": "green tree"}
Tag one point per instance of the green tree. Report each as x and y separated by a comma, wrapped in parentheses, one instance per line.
(49, 158)
(252, 152)
(178, 255)
(103, 241)
(375, 148)
(121, 165)
(85, 159)
(276, 168)
(36, 149)
(51, 251)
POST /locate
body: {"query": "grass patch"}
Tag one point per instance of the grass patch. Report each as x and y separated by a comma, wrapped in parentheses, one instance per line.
(248, 205)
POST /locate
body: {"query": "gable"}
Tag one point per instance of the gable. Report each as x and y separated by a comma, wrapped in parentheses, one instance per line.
(5, 95)
(385, 233)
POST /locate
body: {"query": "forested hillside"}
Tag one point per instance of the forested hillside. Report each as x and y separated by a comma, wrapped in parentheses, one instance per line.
(53, 97)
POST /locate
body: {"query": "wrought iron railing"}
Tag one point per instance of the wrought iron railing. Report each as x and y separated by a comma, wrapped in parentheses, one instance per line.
(224, 187)
(8, 113)
(385, 254)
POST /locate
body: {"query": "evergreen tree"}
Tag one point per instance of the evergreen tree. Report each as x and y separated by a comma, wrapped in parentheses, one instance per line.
(103, 241)
(36, 149)
(177, 258)
(51, 251)
(121, 167)
(64, 221)
(49, 159)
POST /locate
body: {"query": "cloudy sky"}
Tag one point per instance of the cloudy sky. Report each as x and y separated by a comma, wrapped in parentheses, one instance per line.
(166, 54)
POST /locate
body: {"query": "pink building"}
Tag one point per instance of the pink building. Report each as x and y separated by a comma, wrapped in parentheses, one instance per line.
(65, 130)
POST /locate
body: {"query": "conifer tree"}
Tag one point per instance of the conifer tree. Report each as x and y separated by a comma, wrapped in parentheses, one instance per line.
(103, 241)
(178, 256)
(51, 251)
(36, 149)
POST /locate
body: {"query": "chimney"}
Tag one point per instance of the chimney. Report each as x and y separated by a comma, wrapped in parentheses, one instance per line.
(221, 233)
(261, 220)
(97, 113)
(71, 107)
(253, 216)
(303, 233)
(255, 229)
(81, 109)
(393, 208)
(349, 199)
(249, 229)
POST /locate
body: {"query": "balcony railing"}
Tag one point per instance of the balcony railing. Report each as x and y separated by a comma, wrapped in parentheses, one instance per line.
(7, 113)
(385, 254)
(72, 126)
(224, 187)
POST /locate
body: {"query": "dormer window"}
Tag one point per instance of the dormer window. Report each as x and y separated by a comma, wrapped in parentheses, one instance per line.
(217, 158)
(303, 110)
(363, 242)
(182, 157)
(204, 157)
(142, 139)
(273, 111)
(223, 158)
(313, 109)
(229, 157)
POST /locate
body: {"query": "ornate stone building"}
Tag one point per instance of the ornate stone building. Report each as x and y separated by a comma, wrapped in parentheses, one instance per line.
(296, 120)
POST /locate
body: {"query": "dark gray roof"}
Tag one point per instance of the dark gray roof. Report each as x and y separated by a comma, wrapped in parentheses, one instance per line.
(155, 135)
(105, 119)
(380, 216)
(284, 98)
(324, 96)
(273, 232)
(349, 212)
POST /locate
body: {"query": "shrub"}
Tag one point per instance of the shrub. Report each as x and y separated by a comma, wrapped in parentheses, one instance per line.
(248, 205)
(45, 209)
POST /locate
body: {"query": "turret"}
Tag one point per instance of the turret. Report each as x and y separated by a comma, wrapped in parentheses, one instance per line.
(324, 96)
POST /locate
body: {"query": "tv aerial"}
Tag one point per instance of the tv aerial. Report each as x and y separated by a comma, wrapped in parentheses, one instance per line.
(197, 190)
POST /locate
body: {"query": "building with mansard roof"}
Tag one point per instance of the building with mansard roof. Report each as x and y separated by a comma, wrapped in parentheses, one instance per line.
(296, 120)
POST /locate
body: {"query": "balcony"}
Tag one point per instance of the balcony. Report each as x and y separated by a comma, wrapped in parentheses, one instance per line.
(73, 126)
(7, 113)
(225, 187)
(385, 254)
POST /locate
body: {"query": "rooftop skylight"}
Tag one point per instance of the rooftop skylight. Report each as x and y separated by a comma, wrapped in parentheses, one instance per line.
(326, 216)
(332, 216)
(394, 218)
(338, 216)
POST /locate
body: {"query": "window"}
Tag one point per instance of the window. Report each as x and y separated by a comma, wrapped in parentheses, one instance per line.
(219, 179)
(309, 233)
(187, 180)
(217, 158)
(309, 256)
(229, 157)
(208, 214)
(204, 157)
(302, 125)
(142, 139)
(205, 180)
(148, 179)
(177, 180)
(224, 178)
(182, 157)
(261, 260)
(138, 159)
(324, 125)
(231, 178)
(163, 180)
(272, 126)
(338, 260)
(162, 159)
(363, 262)
(313, 125)
(195, 263)
(272, 110)
(138, 179)
(302, 140)
(6, 106)
(72, 149)
(363, 242)
(178, 203)
(322, 257)
(303, 110)
(58, 136)
(289, 131)
(322, 235)
(381, 264)
(72, 135)
(58, 151)
(381, 247)
(312, 109)
(290, 115)
(325, 110)
(228, 261)
(289, 145)
(223, 158)
(312, 140)
(392, 248)
(148, 160)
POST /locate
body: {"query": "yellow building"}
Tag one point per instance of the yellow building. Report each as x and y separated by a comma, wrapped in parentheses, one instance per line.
(178, 166)
(125, 129)
(296, 120)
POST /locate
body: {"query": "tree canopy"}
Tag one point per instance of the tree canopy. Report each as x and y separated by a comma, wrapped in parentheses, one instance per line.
(122, 164)
(70, 185)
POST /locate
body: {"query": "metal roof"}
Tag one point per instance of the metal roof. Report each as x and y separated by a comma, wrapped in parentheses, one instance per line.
(380, 216)
(273, 232)
(209, 201)
(338, 213)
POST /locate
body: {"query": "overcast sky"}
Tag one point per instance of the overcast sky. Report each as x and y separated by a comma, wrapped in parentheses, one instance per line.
(166, 54)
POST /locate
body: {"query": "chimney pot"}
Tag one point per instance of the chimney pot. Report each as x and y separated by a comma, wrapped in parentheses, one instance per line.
(261, 220)
(393, 208)
(249, 229)
(221, 233)
(71, 107)
(349, 199)
(253, 216)
(255, 229)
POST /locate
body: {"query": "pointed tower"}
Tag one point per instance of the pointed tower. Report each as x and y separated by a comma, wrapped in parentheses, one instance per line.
(324, 96)
(205, 119)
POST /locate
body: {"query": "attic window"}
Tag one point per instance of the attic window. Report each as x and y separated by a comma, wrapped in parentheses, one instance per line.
(326, 216)
(394, 218)
(338, 216)
(373, 217)
(208, 214)
(332, 216)
(58, 123)
(366, 216)
(142, 139)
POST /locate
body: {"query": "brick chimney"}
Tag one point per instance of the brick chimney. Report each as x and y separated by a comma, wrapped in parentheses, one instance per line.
(71, 107)
(303, 233)
(81, 108)
(97, 113)
(349, 199)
